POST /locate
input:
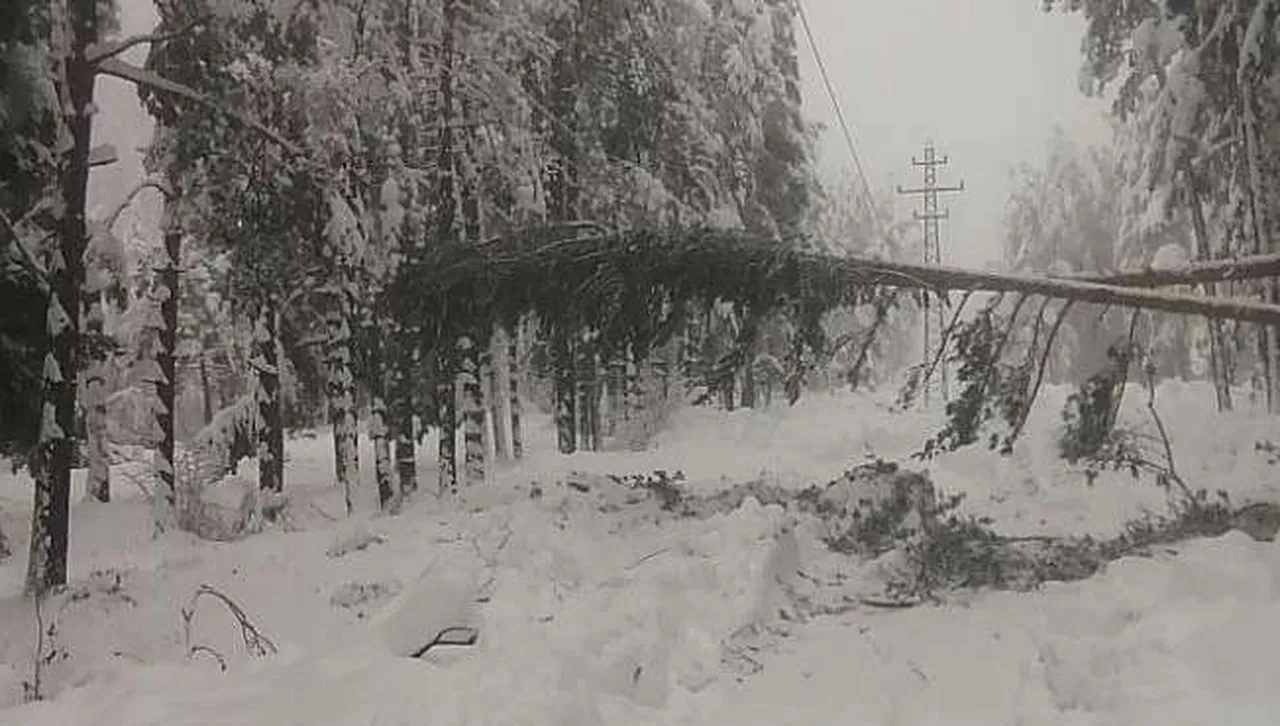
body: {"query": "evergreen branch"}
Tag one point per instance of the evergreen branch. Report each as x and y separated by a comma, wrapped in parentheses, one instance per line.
(26, 259)
(117, 68)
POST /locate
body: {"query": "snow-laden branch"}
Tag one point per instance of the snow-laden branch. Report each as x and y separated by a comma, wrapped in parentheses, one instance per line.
(1241, 268)
(105, 50)
(25, 257)
(128, 72)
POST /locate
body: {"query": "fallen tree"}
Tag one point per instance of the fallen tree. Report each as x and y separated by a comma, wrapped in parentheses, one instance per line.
(1253, 267)
(594, 274)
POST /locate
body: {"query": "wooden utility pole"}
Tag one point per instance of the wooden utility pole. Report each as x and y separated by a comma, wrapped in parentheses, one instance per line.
(932, 218)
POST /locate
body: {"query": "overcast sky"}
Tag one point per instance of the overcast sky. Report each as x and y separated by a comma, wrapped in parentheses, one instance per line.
(985, 79)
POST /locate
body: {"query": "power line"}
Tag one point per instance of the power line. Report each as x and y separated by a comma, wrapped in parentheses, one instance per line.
(844, 126)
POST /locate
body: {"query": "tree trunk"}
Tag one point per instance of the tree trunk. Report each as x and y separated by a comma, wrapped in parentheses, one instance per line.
(340, 387)
(495, 392)
(513, 381)
(400, 415)
(266, 364)
(50, 517)
(206, 391)
(383, 473)
(588, 407)
(1253, 72)
(616, 400)
(749, 384)
(1217, 353)
(99, 484)
(472, 413)
(166, 387)
(447, 407)
(564, 382)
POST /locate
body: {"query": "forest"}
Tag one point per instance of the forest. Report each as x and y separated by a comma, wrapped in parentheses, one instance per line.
(474, 272)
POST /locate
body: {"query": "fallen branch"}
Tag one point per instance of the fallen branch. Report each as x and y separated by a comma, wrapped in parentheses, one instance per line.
(256, 643)
(466, 636)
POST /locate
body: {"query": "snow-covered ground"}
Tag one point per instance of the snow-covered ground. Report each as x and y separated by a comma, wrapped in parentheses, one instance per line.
(594, 609)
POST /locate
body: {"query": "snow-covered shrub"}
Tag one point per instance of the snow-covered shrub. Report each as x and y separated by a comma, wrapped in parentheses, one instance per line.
(874, 507)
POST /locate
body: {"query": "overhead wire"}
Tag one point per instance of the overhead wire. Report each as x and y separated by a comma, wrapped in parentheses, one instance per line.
(866, 197)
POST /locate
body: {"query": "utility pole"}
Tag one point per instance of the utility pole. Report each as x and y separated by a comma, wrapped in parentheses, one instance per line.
(932, 218)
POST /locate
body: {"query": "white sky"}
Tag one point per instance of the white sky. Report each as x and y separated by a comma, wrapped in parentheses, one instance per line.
(985, 79)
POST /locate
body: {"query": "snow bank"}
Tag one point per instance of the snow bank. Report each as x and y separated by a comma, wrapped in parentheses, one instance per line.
(558, 643)
(1180, 639)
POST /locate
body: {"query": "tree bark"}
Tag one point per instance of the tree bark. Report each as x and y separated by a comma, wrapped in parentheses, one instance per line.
(166, 356)
(447, 407)
(496, 397)
(99, 484)
(472, 414)
(383, 472)
(400, 415)
(206, 391)
(565, 392)
(1255, 63)
(513, 381)
(50, 518)
(616, 398)
(588, 391)
(1204, 253)
(340, 387)
(266, 364)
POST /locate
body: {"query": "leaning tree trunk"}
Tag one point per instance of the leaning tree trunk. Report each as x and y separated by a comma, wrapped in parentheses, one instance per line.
(341, 388)
(266, 365)
(99, 484)
(51, 510)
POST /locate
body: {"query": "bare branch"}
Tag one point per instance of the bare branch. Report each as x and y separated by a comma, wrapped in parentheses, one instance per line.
(1044, 363)
(157, 184)
(106, 50)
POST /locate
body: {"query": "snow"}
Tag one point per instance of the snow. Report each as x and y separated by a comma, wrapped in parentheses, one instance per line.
(591, 608)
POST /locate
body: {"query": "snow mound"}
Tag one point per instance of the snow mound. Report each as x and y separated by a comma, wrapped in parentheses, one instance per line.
(558, 644)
